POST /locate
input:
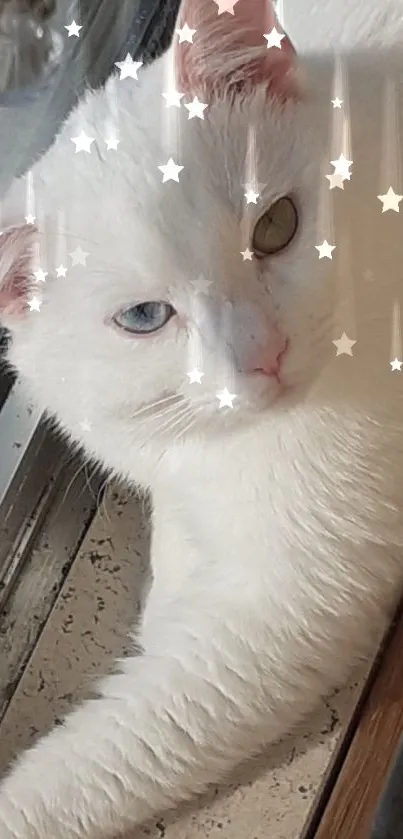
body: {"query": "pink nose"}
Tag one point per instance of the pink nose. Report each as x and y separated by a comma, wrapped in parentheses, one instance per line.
(269, 360)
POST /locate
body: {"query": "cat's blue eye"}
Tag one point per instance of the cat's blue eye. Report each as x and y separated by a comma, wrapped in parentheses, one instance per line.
(145, 317)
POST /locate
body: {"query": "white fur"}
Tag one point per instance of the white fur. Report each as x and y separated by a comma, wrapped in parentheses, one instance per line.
(277, 542)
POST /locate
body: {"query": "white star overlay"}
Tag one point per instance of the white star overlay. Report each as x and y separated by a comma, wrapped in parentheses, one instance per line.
(344, 345)
(195, 376)
(342, 166)
(172, 98)
(337, 103)
(226, 398)
(79, 257)
(247, 255)
(61, 271)
(112, 143)
(73, 29)
(170, 171)
(390, 201)
(251, 196)
(185, 34)
(274, 38)
(201, 285)
(40, 276)
(335, 180)
(82, 142)
(196, 108)
(85, 425)
(325, 250)
(30, 219)
(225, 6)
(35, 304)
(128, 68)
(396, 365)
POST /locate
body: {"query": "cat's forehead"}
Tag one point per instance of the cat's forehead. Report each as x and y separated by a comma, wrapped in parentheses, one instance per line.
(166, 161)
(174, 190)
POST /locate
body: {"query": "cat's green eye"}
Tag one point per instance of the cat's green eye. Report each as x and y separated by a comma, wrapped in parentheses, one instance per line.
(276, 227)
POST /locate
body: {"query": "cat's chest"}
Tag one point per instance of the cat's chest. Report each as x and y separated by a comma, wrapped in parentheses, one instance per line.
(266, 490)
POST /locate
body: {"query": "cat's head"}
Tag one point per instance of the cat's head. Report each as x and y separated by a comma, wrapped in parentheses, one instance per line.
(195, 289)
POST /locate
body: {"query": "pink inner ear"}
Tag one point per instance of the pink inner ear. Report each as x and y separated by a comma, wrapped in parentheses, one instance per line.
(229, 52)
(17, 248)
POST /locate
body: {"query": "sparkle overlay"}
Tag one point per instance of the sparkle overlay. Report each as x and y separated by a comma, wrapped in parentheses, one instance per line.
(173, 100)
(128, 68)
(226, 6)
(186, 34)
(73, 30)
(225, 398)
(390, 201)
(170, 171)
(344, 345)
(79, 257)
(325, 250)
(274, 39)
(82, 142)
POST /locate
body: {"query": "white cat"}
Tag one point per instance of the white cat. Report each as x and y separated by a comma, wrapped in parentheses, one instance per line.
(278, 534)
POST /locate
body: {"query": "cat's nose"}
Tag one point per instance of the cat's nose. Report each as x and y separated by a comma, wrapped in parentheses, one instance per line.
(269, 358)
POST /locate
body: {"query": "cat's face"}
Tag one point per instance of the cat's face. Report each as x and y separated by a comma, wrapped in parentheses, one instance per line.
(197, 308)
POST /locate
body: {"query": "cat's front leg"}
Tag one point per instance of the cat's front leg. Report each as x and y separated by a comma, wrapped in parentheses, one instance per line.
(181, 716)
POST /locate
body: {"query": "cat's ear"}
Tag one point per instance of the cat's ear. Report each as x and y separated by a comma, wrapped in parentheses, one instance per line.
(17, 250)
(229, 52)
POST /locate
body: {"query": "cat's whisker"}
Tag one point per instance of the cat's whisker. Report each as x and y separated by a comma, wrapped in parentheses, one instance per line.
(171, 423)
(183, 431)
(103, 506)
(182, 412)
(166, 399)
(180, 419)
(81, 468)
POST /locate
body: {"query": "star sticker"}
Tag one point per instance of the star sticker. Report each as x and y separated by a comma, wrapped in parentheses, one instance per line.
(341, 167)
(79, 256)
(196, 108)
(274, 38)
(73, 29)
(35, 304)
(335, 180)
(61, 271)
(201, 285)
(195, 376)
(251, 196)
(247, 255)
(390, 201)
(226, 398)
(396, 365)
(40, 275)
(337, 103)
(112, 143)
(225, 6)
(185, 34)
(344, 345)
(170, 171)
(85, 425)
(82, 142)
(173, 98)
(30, 219)
(128, 68)
(325, 250)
